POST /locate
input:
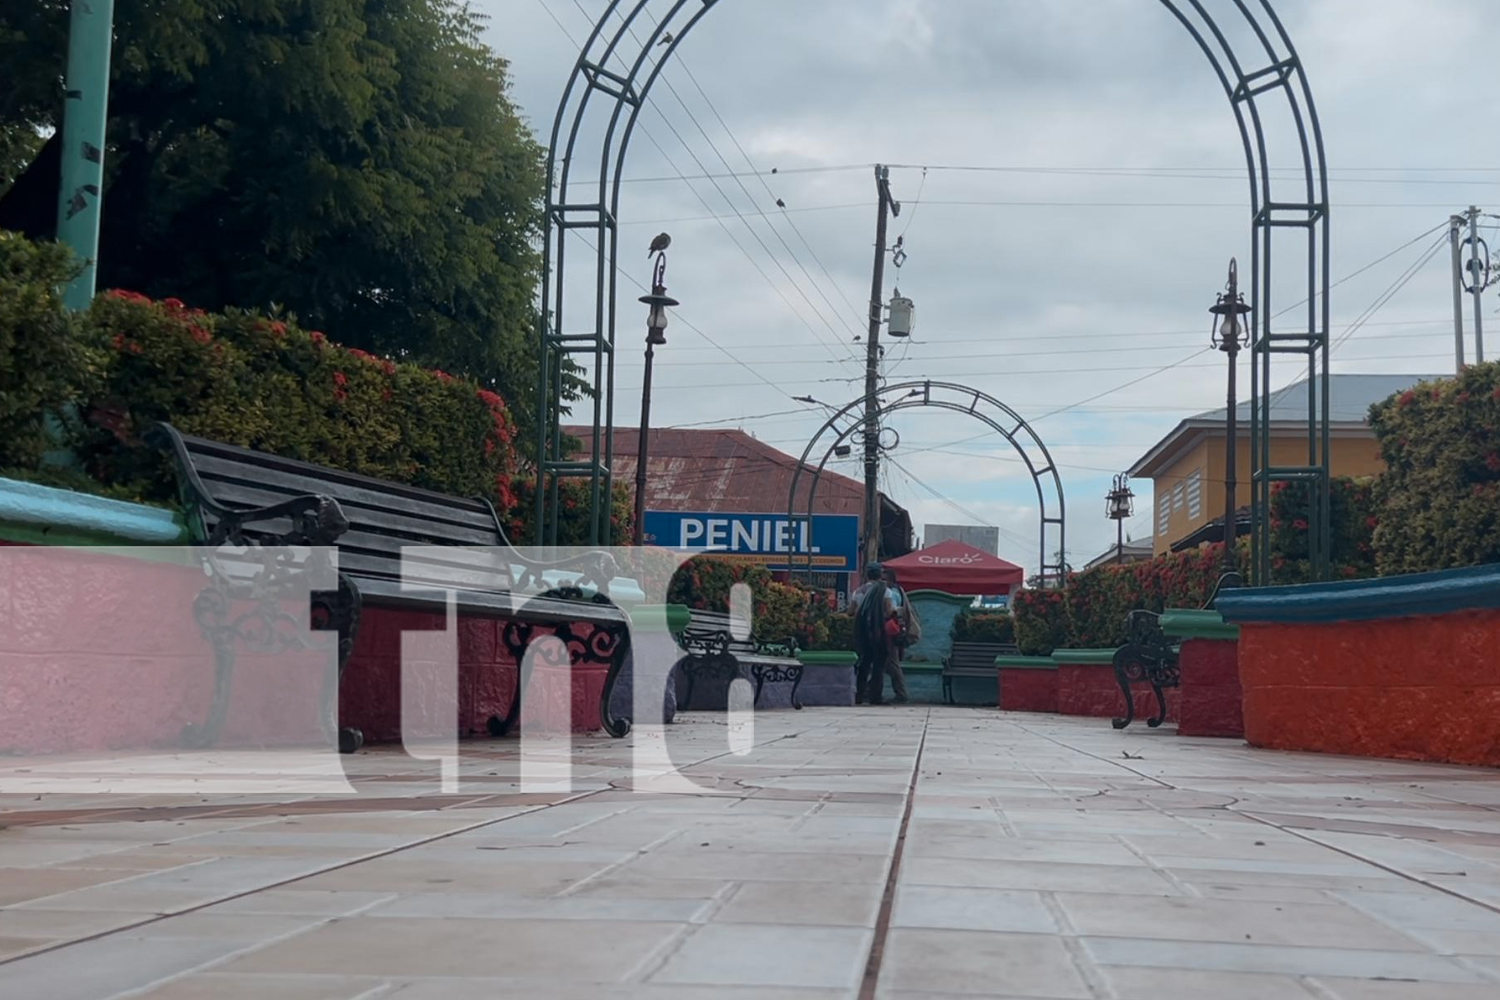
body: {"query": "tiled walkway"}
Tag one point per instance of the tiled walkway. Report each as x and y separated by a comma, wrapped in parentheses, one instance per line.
(1039, 857)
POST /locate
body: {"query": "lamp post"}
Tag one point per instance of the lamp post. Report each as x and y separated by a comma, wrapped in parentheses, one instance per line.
(656, 333)
(1119, 508)
(1230, 336)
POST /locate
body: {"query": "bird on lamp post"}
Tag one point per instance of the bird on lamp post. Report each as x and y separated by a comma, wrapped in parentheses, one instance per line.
(656, 333)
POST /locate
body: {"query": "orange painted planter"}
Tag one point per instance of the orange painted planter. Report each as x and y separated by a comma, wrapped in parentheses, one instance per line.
(1404, 667)
(1409, 688)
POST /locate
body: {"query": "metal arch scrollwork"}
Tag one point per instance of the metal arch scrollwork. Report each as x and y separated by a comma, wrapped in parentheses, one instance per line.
(1147, 657)
(1251, 55)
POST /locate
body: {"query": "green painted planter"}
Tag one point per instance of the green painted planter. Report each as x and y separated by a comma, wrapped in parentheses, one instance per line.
(827, 658)
(671, 618)
(1083, 656)
(1181, 623)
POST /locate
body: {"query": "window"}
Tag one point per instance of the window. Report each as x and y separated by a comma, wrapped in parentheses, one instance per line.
(1164, 514)
(1195, 494)
(1179, 497)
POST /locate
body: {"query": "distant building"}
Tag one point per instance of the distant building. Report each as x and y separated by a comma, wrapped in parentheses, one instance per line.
(982, 538)
(1140, 550)
(741, 487)
(1187, 467)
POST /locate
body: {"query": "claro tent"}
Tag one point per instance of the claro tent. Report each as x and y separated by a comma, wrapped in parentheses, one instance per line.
(956, 568)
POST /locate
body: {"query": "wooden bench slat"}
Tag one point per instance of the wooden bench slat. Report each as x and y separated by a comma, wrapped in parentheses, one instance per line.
(413, 528)
(227, 470)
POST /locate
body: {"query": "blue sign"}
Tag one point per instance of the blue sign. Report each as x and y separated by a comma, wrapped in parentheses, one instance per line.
(774, 541)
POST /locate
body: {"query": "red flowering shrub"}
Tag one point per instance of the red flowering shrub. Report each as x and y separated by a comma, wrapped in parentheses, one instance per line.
(265, 384)
(574, 499)
(1041, 621)
(978, 625)
(1439, 499)
(1353, 520)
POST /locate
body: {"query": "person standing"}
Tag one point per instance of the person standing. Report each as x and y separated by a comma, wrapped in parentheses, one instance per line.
(869, 636)
(906, 615)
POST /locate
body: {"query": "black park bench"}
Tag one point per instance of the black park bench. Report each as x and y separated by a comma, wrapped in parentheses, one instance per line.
(713, 649)
(247, 510)
(975, 660)
(1149, 658)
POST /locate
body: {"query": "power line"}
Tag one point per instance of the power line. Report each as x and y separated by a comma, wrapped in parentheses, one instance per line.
(692, 77)
(708, 208)
(729, 201)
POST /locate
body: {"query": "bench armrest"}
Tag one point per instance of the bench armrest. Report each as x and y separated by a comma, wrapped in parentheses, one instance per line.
(316, 519)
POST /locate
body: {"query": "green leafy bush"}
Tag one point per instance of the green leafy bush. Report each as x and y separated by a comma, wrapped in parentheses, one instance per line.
(44, 364)
(781, 610)
(1354, 520)
(264, 383)
(975, 625)
(1438, 502)
(574, 523)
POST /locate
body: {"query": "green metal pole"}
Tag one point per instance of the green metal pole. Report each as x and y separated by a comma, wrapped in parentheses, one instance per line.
(90, 32)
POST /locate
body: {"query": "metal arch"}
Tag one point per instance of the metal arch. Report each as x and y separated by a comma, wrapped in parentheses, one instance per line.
(1278, 74)
(919, 394)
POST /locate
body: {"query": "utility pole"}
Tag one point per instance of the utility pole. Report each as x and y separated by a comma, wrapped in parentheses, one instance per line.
(1455, 227)
(1477, 285)
(888, 208)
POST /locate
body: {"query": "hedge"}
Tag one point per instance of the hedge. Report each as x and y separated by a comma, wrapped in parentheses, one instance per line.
(1041, 621)
(1439, 499)
(264, 383)
(44, 363)
(781, 610)
(974, 625)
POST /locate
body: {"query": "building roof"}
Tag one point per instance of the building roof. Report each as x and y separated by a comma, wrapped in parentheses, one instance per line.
(1349, 400)
(717, 469)
(1139, 549)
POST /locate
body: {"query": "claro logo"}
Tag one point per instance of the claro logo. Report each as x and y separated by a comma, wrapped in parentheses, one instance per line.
(948, 560)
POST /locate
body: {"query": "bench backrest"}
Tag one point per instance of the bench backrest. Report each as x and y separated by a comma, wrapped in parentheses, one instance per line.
(980, 654)
(383, 516)
(703, 623)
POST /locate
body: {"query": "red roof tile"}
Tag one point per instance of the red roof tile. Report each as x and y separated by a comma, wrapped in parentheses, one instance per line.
(716, 470)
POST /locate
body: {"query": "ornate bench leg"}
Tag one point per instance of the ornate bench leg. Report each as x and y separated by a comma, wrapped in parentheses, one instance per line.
(690, 666)
(797, 683)
(758, 671)
(339, 610)
(211, 612)
(1161, 705)
(1125, 660)
(618, 728)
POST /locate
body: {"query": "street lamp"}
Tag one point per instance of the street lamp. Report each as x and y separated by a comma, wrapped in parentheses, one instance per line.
(1230, 335)
(1119, 508)
(656, 333)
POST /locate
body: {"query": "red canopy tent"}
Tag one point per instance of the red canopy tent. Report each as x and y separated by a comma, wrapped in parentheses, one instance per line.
(959, 569)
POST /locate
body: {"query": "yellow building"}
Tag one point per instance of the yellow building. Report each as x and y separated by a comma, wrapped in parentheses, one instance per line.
(1187, 467)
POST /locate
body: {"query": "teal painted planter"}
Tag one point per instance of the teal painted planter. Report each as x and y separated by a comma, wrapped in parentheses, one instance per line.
(936, 610)
(1181, 623)
(43, 515)
(1422, 594)
(1026, 662)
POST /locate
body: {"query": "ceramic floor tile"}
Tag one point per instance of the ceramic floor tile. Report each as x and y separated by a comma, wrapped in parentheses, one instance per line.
(835, 904)
(1251, 957)
(967, 962)
(534, 950)
(719, 955)
(958, 908)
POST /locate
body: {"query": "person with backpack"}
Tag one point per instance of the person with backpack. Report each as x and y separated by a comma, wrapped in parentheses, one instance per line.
(876, 628)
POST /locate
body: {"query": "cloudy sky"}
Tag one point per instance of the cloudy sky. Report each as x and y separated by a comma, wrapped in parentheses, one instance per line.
(1083, 257)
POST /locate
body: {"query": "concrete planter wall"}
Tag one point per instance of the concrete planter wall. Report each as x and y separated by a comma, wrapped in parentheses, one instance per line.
(1401, 667)
(1027, 683)
(1211, 702)
(1086, 686)
(99, 650)
(827, 678)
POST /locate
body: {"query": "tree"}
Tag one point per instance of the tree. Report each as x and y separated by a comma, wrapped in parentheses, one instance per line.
(357, 162)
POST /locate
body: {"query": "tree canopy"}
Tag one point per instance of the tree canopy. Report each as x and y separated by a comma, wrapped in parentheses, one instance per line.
(358, 162)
